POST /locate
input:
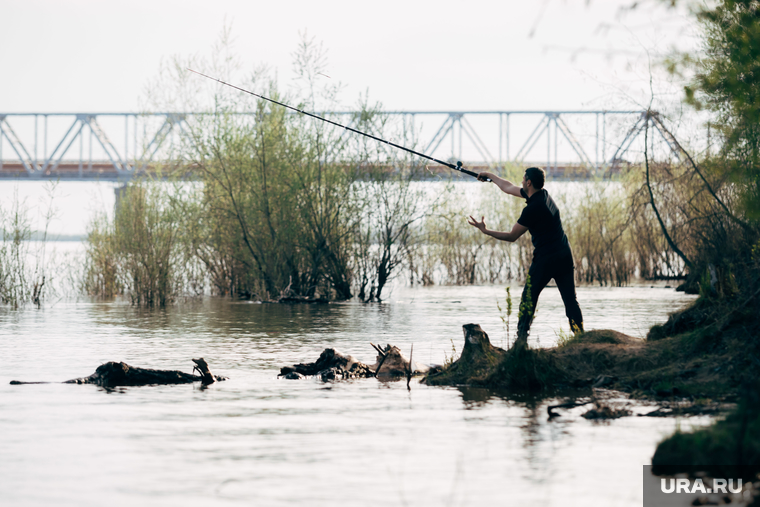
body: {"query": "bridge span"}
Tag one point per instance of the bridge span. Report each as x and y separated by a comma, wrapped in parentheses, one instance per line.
(119, 146)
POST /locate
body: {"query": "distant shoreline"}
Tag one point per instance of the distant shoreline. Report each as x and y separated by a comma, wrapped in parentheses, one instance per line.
(39, 236)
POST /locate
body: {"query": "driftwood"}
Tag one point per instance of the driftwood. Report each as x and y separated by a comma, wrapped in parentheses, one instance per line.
(332, 365)
(606, 412)
(116, 374)
(570, 404)
(600, 410)
(201, 366)
(391, 362)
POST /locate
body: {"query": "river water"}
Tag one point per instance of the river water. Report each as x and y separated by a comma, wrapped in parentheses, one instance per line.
(257, 439)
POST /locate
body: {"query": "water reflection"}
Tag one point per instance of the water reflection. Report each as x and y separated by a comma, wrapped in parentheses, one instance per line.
(474, 397)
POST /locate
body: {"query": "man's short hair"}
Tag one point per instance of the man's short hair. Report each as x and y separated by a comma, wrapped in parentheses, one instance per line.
(537, 176)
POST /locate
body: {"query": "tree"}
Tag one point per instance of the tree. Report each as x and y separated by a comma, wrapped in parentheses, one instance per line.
(726, 81)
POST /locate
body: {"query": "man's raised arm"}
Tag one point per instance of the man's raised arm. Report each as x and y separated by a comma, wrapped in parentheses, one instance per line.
(505, 185)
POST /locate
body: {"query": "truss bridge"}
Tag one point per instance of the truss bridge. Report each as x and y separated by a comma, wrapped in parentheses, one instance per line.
(119, 146)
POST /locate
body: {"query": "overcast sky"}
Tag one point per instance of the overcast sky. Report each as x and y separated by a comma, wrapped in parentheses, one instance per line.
(98, 56)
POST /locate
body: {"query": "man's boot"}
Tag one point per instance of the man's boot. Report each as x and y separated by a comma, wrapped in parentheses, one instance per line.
(576, 328)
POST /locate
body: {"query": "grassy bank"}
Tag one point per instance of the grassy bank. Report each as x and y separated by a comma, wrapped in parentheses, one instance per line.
(708, 352)
(695, 354)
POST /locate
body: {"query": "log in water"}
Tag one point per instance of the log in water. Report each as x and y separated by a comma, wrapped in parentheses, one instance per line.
(118, 374)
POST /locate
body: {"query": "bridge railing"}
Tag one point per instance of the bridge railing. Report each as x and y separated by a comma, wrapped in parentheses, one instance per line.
(120, 145)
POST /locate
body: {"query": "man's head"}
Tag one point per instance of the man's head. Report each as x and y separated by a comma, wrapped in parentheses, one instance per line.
(536, 177)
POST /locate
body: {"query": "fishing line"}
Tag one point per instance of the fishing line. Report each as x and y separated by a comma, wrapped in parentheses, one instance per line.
(457, 167)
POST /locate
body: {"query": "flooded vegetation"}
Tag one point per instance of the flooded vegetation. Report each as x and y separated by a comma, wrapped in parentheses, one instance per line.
(285, 207)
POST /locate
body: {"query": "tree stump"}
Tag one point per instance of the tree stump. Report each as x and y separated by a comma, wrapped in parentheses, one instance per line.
(478, 358)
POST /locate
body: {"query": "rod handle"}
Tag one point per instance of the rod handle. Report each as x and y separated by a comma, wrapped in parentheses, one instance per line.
(462, 169)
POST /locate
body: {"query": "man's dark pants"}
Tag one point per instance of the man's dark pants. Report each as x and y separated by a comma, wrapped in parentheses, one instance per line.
(561, 267)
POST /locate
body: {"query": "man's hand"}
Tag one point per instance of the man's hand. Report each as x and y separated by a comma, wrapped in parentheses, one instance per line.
(484, 176)
(517, 230)
(479, 225)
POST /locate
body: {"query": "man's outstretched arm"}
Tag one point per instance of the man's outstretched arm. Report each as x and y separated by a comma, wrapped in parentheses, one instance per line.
(505, 185)
(511, 236)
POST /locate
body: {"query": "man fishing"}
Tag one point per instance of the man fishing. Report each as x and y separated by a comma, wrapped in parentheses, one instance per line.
(552, 256)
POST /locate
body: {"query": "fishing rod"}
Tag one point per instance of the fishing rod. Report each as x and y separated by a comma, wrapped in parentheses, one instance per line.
(457, 167)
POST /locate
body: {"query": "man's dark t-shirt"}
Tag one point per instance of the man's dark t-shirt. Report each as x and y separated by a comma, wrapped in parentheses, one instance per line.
(541, 217)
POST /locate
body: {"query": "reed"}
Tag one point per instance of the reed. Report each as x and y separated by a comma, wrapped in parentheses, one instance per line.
(25, 265)
(598, 230)
(455, 253)
(14, 253)
(603, 221)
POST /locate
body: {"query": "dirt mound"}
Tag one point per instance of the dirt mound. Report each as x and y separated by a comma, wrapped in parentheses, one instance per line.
(597, 336)
(705, 359)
